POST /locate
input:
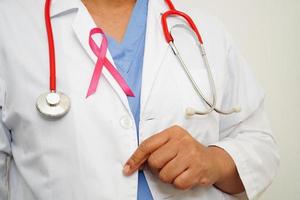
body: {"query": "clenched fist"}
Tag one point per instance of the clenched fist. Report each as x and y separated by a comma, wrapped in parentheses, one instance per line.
(181, 160)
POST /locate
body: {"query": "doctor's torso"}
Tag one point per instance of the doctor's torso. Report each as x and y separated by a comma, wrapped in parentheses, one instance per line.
(81, 156)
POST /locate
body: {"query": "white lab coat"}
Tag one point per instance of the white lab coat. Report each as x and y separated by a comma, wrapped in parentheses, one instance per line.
(81, 155)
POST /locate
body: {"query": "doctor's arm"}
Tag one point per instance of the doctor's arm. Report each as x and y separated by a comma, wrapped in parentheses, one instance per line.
(247, 136)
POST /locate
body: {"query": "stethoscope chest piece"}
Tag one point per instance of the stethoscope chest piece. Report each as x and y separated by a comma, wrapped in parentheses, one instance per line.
(53, 105)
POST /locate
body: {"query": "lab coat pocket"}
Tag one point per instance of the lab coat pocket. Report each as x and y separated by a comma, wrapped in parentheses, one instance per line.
(162, 191)
(173, 92)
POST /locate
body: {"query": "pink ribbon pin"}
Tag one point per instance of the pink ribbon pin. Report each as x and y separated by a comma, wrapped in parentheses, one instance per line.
(103, 61)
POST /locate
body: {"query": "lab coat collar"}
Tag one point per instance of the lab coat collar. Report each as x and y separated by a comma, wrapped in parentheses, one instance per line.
(59, 7)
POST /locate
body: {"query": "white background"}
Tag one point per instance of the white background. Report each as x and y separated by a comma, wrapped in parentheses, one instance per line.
(267, 32)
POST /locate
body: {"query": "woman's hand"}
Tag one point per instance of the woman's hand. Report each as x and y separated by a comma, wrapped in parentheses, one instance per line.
(181, 160)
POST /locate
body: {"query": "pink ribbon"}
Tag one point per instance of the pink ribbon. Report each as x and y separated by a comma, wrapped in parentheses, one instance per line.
(102, 61)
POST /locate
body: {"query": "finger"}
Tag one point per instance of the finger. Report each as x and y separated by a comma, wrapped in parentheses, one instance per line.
(159, 158)
(173, 169)
(186, 180)
(144, 151)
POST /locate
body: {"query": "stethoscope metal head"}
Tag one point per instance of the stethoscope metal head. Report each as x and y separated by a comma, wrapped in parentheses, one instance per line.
(53, 105)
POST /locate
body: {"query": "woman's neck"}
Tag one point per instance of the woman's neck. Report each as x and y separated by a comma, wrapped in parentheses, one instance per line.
(111, 15)
(107, 4)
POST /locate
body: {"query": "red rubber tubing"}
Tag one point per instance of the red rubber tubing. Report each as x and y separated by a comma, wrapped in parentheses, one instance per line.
(51, 46)
(187, 18)
(170, 4)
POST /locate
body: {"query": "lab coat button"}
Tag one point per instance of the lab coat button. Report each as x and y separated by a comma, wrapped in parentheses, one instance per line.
(126, 122)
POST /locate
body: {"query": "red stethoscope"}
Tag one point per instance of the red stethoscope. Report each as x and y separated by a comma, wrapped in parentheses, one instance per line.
(54, 105)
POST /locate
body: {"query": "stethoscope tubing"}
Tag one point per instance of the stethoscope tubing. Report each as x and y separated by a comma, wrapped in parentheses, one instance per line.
(56, 104)
(192, 28)
(194, 84)
(52, 105)
(51, 46)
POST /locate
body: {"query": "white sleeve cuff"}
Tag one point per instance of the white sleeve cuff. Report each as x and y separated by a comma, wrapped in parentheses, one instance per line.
(244, 171)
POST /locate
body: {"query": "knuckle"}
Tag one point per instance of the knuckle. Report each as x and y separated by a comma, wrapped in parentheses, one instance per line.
(176, 127)
(153, 162)
(179, 129)
(164, 177)
(133, 160)
(186, 140)
(143, 148)
(204, 182)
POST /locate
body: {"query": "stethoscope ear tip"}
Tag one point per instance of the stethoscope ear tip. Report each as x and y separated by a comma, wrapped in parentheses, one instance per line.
(237, 109)
(189, 112)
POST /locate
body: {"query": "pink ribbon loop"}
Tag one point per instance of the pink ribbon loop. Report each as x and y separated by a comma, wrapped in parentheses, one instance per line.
(102, 61)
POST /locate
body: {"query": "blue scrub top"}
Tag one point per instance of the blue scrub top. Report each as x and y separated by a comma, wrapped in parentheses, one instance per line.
(128, 57)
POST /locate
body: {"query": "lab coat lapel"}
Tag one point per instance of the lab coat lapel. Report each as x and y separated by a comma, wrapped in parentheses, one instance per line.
(82, 26)
(155, 49)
